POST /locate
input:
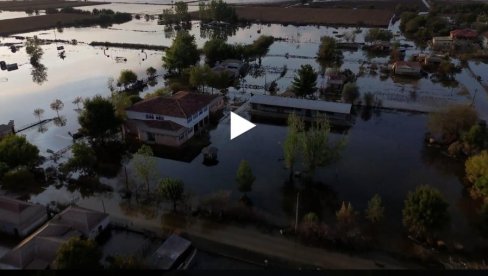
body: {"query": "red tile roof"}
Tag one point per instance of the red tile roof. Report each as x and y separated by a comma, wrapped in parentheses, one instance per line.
(464, 33)
(182, 104)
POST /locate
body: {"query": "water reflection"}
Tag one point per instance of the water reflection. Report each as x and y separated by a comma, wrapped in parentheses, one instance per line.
(39, 73)
(60, 121)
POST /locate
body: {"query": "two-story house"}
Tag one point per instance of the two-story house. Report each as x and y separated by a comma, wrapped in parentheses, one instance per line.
(171, 121)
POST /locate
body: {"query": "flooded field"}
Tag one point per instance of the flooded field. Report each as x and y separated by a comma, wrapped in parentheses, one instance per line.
(385, 153)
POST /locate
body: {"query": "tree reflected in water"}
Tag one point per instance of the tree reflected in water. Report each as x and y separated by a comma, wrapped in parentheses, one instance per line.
(39, 73)
(60, 121)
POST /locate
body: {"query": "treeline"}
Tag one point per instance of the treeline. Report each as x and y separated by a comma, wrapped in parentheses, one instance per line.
(217, 10)
(217, 49)
(423, 27)
(104, 17)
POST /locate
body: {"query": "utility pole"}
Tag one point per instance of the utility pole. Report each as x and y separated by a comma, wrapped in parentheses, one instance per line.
(296, 212)
(474, 96)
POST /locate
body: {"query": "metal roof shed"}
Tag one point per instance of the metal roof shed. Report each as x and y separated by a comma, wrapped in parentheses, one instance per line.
(318, 105)
(170, 251)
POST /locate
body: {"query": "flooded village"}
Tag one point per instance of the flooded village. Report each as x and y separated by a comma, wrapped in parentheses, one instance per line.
(369, 151)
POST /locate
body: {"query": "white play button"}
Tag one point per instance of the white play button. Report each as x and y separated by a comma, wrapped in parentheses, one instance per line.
(238, 125)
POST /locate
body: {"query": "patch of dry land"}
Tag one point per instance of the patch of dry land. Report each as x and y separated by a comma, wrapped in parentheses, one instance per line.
(41, 22)
(43, 4)
(316, 16)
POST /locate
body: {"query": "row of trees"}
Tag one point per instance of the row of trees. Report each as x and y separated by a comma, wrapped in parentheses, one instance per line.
(178, 15)
(217, 49)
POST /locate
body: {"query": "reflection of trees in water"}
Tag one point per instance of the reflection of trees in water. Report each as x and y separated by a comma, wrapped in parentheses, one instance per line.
(220, 32)
(39, 73)
(445, 164)
(42, 128)
(315, 197)
(60, 121)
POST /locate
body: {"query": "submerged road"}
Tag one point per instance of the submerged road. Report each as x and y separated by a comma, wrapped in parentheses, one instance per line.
(479, 95)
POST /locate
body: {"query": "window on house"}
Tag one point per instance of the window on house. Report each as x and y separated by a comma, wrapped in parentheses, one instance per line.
(182, 136)
(150, 116)
(201, 112)
(159, 117)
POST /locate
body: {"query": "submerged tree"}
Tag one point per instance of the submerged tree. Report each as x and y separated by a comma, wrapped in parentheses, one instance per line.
(305, 81)
(38, 112)
(98, 119)
(350, 92)
(84, 160)
(244, 177)
(375, 211)
(477, 174)
(291, 145)
(17, 151)
(346, 216)
(182, 53)
(451, 122)
(126, 78)
(34, 50)
(77, 101)
(145, 165)
(316, 148)
(172, 190)
(328, 51)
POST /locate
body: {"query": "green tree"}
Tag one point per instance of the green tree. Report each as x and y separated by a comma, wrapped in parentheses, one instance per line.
(181, 12)
(328, 51)
(98, 119)
(260, 46)
(145, 165)
(378, 34)
(375, 211)
(452, 121)
(182, 54)
(425, 212)
(217, 49)
(83, 160)
(219, 80)
(151, 72)
(77, 253)
(172, 190)
(291, 145)
(38, 112)
(244, 177)
(19, 179)
(57, 105)
(305, 81)
(477, 136)
(17, 151)
(121, 101)
(316, 150)
(199, 76)
(350, 92)
(126, 78)
(477, 173)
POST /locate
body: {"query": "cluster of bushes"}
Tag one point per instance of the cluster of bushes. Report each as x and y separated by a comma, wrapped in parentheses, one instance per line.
(178, 15)
(378, 34)
(217, 49)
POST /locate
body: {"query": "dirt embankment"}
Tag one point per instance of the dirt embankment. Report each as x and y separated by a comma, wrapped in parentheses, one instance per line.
(43, 4)
(315, 16)
(35, 23)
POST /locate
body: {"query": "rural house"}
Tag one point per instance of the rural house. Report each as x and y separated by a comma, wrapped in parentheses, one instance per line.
(20, 218)
(233, 67)
(406, 68)
(38, 251)
(171, 121)
(441, 42)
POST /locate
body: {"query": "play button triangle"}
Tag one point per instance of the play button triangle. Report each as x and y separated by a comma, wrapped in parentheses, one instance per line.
(239, 125)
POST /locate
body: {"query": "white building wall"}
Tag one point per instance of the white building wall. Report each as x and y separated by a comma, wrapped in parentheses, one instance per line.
(197, 117)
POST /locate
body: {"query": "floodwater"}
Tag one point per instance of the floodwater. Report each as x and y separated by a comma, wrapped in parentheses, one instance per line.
(385, 153)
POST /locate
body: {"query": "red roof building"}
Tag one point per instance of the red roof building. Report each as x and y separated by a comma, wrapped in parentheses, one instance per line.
(464, 34)
(171, 120)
